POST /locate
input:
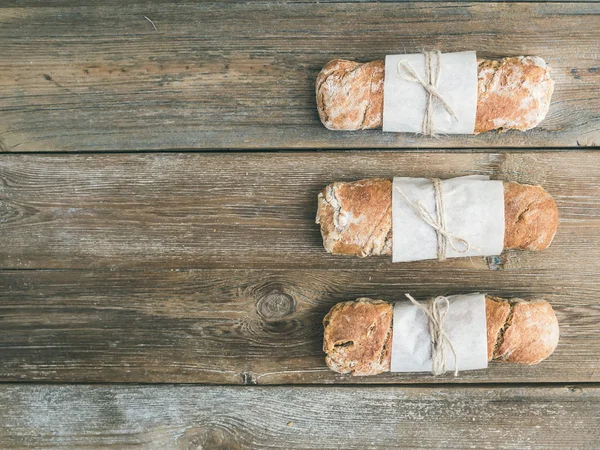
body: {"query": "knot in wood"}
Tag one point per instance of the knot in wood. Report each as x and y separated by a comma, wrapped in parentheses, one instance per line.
(275, 306)
(207, 436)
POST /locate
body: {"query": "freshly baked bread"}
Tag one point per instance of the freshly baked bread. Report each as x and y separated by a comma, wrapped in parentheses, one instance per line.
(513, 94)
(358, 334)
(356, 217)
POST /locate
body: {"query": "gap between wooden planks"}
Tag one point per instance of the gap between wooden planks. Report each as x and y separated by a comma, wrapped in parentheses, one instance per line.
(188, 417)
(80, 77)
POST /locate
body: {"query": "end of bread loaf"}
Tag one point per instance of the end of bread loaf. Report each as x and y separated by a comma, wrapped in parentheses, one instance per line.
(357, 337)
(513, 93)
(530, 334)
(356, 217)
(350, 95)
(531, 217)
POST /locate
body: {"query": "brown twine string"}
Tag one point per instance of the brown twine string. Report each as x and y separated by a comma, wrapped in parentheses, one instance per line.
(430, 84)
(438, 223)
(436, 314)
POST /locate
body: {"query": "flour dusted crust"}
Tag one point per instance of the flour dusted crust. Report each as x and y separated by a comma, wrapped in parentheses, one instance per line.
(358, 335)
(513, 93)
(350, 95)
(531, 333)
(356, 217)
(530, 215)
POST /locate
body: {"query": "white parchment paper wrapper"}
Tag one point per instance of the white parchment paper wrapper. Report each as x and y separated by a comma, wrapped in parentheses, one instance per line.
(404, 101)
(474, 211)
(465, 326)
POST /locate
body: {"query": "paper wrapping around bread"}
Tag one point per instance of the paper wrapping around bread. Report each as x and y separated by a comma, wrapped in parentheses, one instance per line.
(356, 217)
(358, 334)
(513, 93)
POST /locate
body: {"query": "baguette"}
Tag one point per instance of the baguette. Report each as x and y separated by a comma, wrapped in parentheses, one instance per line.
(356, 217)
(358, 334)
(513, 94)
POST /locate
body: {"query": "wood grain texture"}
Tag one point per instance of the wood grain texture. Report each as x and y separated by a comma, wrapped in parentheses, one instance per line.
(250, 210)
(241, 75)
(209, 268)
(251, 326)
(188, 417)
(78, 3)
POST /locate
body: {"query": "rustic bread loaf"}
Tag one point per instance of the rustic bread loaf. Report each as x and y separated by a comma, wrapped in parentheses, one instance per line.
(358, 334)
(356, 217)
(513, 93)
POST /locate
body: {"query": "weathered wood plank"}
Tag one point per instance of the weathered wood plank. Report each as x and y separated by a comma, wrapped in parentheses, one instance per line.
(250, 210)
(193, 417)
(251, 326)
(79, 3)
(247, 221)
(241, 75)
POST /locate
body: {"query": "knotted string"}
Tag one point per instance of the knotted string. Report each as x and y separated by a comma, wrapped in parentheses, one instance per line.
(436, 314)
(444, 236)
(430, 84)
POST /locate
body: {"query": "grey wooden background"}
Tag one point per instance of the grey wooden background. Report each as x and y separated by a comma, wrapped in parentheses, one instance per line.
(162, 281)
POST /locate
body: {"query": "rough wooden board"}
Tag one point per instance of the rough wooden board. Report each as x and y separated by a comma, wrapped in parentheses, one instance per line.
(247, 219)
(193, 417)
(250, 326)
(241, 75)
(250, 210)
(79, 3)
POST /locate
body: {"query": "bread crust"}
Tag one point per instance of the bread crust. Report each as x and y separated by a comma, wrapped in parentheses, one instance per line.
(530, 216)
(357, 335)
(513, 94)
(532, 334)
(350, 95)
(356, 217)
(497, 311)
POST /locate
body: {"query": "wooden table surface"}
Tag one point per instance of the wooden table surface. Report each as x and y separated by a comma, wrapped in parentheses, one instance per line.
(162, 280)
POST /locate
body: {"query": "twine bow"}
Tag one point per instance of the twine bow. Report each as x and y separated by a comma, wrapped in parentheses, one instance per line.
(438, 223)
(436, 311)
(430, 84)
